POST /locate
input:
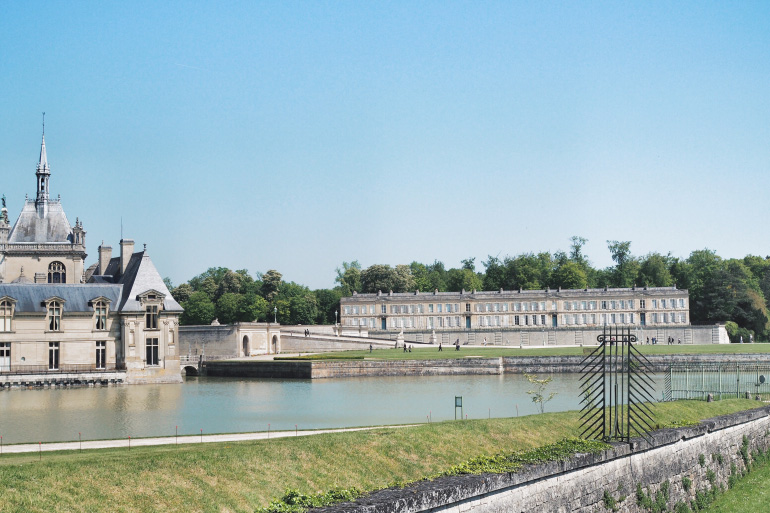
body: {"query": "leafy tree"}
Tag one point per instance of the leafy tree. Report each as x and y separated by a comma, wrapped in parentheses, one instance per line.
(304, 309)
(497, 275)
(463, 279)
(569, 275)
(229, 284)
(349, 277)
(228, 308)
(576, 250)
(182, 293)
(168, 283)
(198, 309)
(653, 271)
(271, 284)
(538, 393)
(436, 277)
(469, 263)
(328, 301)
(627, 267)
(421, 276)
(384, 278)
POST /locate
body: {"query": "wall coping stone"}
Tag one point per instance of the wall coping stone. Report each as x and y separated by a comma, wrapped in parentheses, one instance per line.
(425, 495)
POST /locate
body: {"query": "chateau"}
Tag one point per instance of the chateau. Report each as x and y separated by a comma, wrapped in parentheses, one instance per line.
(519, 309)
(56, 316)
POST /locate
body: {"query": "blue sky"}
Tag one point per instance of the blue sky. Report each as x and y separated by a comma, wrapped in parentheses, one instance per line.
(297, 135)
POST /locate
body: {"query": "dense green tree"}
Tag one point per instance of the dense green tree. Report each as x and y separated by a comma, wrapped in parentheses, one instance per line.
(328, 301)
(304, 309)
(463, 279)
(271, 284)
(569, 275)
(497, 276)
(349, 277)
(182, 293)
(576, 250)
(436, 277)
(627, 268)
(469, 263)
(421, 276)
(198, 309)
(654, 271)
(384, 278)
(228, 308)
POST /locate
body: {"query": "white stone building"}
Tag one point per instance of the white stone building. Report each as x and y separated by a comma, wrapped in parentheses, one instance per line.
(56, 316)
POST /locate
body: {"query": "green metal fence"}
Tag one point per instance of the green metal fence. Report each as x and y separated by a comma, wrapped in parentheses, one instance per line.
(722, 381)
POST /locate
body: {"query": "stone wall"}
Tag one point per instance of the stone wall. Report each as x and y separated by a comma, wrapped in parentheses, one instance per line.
(564, 336)
(443, 367)
(230, 340)
(579, 484)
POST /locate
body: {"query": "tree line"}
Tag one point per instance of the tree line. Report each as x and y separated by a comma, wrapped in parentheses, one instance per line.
(735, 291)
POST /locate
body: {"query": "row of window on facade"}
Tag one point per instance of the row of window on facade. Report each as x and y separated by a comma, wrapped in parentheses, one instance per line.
(524, 320)
(519, 306)
(152, 355)
(54, 315)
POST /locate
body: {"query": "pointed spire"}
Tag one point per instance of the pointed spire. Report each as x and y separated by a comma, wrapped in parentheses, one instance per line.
(43, 162)
(43, 172)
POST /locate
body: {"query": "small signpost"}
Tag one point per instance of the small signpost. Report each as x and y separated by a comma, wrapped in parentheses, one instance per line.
(459, 404)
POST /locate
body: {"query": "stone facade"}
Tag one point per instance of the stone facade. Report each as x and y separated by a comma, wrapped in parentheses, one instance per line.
(56, 317)
(522, 309)
(232, 340)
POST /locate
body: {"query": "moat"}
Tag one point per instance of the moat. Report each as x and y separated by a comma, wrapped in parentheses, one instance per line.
(223, 405)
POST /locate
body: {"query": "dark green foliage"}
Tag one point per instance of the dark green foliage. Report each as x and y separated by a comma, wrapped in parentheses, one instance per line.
(711, 476)
(717, 456)
(744, 452)
(609, 501)
(686, 483)
(511, 462)
(657, 505)
(702, 460)
(682, 507)
(295, 502)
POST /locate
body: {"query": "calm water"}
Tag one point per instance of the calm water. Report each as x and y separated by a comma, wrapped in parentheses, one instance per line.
(222, 405)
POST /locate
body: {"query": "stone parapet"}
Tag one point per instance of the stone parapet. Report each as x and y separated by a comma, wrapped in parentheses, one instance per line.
(580, 483)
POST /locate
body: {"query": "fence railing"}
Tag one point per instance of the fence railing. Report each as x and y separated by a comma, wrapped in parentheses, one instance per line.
(697, 381)
(64, 368)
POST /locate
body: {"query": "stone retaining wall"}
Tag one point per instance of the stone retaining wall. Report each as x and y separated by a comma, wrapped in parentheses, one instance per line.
(480, 366)
(579, 484)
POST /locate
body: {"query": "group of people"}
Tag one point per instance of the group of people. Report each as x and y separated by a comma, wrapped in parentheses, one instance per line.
(669, 341)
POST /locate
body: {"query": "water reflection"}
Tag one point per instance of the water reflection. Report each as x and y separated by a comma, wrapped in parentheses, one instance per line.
(219, 405)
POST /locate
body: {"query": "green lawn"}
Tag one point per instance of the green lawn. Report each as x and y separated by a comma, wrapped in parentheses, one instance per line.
(431, 353)
(239, 477)
(750, 494)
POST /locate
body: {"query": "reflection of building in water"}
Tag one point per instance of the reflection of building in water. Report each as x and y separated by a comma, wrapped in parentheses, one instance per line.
(55, 315)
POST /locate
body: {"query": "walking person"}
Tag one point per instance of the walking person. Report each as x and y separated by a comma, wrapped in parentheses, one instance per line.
(439, 347)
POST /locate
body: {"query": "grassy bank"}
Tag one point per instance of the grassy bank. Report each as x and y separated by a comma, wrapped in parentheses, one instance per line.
(431, 353)
(235, 477)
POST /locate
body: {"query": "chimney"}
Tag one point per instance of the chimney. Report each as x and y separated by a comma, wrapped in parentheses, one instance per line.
(105, 254)
(126, 249)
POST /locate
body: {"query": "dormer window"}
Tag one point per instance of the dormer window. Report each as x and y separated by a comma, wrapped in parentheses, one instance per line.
(54, 316)
(6, 314)
(152, 302)
(100, 314)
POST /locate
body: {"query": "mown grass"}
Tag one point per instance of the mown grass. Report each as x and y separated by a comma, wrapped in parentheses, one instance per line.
(240, 477)
(432, 352)
(751, 492)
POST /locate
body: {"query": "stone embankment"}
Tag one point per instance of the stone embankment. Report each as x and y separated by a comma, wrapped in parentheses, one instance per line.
(300, 369)
(678, 463)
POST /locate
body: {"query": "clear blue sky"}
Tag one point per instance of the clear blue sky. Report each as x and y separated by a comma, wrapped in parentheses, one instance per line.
(297, 135)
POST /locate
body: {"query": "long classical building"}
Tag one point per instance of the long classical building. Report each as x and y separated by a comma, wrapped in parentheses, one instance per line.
(521, 309)
(58, 316)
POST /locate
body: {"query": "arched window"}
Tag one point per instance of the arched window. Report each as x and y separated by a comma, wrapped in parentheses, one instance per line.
(57, 273)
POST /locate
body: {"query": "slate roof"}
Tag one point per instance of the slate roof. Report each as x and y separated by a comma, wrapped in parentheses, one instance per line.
(141, 276)
(54, 227)
(29, 296)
